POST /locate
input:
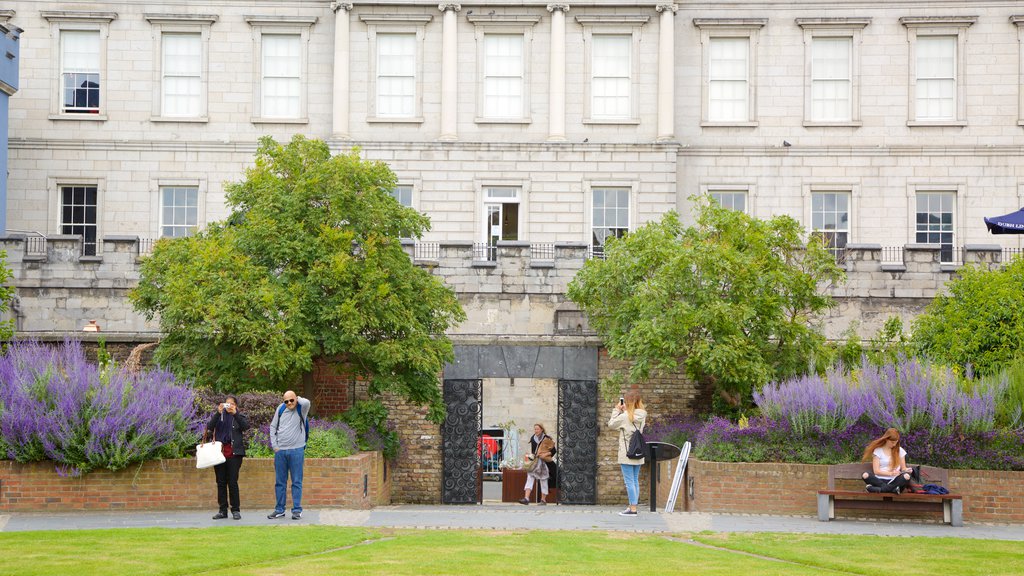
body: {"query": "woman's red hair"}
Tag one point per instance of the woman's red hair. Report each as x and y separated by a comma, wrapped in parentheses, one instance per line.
(880, 442)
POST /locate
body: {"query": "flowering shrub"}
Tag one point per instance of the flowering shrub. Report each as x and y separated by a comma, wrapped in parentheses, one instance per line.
(55, 405)
(909, 395)
(327, 439)
(767, 440)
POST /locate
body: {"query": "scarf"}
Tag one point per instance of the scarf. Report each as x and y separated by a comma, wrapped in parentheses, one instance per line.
(223, 431)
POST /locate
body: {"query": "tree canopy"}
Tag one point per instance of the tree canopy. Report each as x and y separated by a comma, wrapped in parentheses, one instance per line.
(7, 293)
(980, 321)
(730, 301)
(308, 266)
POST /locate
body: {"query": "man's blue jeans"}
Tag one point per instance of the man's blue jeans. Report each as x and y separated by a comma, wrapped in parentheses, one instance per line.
(286, 461)
(631, 476)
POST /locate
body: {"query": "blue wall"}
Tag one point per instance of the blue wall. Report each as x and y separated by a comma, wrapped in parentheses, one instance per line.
(8, 86)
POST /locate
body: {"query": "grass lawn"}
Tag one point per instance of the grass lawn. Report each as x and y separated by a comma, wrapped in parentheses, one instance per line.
(305, 550)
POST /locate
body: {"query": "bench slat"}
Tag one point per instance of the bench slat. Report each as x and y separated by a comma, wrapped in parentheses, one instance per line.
(880, 495)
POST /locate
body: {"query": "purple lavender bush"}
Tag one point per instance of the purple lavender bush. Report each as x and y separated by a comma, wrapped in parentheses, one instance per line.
(908, 395)
(56, 405)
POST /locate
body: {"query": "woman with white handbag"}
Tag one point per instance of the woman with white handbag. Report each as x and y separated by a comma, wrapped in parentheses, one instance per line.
(226, 426)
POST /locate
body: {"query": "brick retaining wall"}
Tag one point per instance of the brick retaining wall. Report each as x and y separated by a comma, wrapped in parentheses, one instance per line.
(177, 484)
(779, 488)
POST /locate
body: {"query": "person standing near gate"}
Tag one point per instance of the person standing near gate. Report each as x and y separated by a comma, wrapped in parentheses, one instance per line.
(289, 431)
(542, 454)
(627, 416)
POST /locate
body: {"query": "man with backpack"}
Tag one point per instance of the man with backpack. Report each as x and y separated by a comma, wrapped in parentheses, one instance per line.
(289, 431)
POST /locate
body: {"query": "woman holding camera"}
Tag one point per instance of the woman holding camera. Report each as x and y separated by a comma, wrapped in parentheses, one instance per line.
(226, 426)
(629, 416)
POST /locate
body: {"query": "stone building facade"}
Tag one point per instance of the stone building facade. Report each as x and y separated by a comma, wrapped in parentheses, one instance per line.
(528, 132)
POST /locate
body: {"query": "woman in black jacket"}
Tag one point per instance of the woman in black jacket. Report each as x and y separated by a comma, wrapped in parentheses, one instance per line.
(227, 425)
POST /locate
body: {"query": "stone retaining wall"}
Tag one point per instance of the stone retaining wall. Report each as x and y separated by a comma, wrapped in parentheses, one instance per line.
(359, 481)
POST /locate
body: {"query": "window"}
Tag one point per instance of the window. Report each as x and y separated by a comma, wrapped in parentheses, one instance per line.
(831, 82)
(503, 66)
(179, 211)
(181, 82)
(281, 44)
(396, 75)
(936, 70)
(729, 47)
(80, 71)
(181, 69)
(610, 216)
(935, 222)
(1019, 22)
(832, 78)
(830, 219)
(79, 66)
(731, 200)
(281, 76)
(78, 215)
(403, 194)
(936, 78)
(727, 77)
(611, 76)
(503, 76)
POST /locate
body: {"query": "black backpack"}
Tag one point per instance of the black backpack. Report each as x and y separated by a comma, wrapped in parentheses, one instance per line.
(637, 447)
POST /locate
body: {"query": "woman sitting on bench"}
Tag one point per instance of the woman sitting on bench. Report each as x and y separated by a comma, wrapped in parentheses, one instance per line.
(890, 472)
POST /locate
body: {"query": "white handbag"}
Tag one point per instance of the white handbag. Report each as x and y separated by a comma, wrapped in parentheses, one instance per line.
(209, 454)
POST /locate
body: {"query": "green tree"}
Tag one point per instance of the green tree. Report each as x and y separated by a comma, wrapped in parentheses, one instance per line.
(308, 266)
(6, 297)
(730, 301)
(979, 321)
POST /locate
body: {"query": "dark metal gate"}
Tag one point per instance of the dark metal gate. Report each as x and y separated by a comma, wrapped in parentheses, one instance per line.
(459, 433)
(577, 441)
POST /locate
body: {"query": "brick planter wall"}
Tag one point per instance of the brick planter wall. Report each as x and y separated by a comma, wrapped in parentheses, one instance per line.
(172, 484)
(778, 488)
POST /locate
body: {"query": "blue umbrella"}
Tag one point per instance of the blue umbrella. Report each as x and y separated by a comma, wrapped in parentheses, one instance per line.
(1012, 223)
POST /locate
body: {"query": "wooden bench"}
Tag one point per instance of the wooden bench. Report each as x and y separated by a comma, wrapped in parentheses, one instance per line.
(951, 505)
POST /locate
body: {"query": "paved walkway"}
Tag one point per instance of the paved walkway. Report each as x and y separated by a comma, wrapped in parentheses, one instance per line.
(508, 517)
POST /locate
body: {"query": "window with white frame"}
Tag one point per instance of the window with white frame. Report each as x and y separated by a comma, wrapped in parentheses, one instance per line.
(831, 79)
(832, 76)
(80, 71)
(937, 69)
(281, 45)
(1018, 20)
(730, 199)
(503, 76)
(935, 84)
(396, 75)
(935, 221)
(281, 76)
(402, 194)
(78, 41)
(728, 77)
(181, 69)
(78, 215)
(611, 76)
(610, 216)
(179, 211)
(830, 219)
(728, 86)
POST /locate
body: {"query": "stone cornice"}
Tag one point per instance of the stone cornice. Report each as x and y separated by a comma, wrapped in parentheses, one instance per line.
(80, 15)
(154, 18)
(730, 23)
(938, 21)
(832, 23)
(1018, 20)
(395, 18)
(274, 20)
(598, 19)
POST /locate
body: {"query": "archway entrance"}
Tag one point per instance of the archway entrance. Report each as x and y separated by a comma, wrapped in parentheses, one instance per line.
(572, 418)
